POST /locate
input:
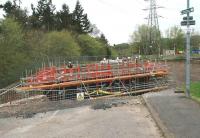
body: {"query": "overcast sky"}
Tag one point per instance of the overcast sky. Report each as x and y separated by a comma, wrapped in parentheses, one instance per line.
(117, 19)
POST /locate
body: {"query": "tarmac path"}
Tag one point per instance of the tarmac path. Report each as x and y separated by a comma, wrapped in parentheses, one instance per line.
(129, 119)
(176, 115)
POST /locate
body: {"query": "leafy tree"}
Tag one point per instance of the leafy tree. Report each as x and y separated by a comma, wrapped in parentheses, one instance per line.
(139, 38)
(124, 49)
(90, 46)
(14, 11)
(59, 44)
(81, 22)
(176, 36)
(13, 56)
(144, 41)
(102, 39)
(195, 41)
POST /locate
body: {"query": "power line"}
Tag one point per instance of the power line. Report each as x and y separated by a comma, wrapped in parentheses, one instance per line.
(153, 32)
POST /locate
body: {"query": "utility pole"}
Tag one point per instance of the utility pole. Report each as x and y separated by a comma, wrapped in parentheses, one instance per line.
(187, 22)
(153, 32)
(188, 53)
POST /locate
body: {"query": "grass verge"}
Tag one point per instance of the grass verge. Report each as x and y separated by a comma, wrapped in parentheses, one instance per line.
(195, 90)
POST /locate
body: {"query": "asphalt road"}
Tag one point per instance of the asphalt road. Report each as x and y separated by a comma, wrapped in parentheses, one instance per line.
(178, 115)
(128, 120)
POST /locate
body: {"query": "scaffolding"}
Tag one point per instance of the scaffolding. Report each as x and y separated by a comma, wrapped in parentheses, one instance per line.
(92, 80)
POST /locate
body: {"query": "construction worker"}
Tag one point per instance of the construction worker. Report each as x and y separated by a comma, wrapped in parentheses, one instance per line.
(70, 65)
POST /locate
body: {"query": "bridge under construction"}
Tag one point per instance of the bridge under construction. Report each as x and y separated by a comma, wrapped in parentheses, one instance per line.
(92, 80)
(96, 79)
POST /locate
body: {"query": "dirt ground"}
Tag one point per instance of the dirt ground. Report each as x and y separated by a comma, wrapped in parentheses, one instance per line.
(177, 71)
(124, 117)
(29, 107)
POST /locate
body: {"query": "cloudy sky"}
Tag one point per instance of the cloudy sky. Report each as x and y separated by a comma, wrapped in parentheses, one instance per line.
(117, 19)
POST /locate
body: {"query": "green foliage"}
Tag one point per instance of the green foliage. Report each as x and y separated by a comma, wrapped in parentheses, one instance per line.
(64, 18)
(114, 53)
(102, 39)
(90, 46)
(125, 49)
(139, 39)
(175, 37)
(44, 13)
(81, 22)
(12, 10)
(13, 56)
(195, 90)
(60, 44)
(26, 41)
(45, 18)
(195, 41)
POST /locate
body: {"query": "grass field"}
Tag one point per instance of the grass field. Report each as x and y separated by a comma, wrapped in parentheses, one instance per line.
(195, 90)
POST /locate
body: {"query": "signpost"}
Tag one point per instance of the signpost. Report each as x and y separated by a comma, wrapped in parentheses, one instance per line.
(190, 18)
(187, 21)
(188, 10)
(184, 23)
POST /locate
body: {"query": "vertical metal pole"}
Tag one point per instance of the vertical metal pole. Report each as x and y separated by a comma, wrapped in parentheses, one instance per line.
(188, 53)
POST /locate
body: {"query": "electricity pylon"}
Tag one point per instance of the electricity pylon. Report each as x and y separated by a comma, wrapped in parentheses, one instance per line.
(153, 31)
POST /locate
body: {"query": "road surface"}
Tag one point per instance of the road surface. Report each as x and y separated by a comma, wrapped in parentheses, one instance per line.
(128, 119)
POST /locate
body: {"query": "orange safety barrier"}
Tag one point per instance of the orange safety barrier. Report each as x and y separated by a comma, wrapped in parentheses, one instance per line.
(53, 75)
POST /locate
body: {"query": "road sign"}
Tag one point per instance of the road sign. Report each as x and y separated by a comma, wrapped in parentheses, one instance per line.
(187, 11)
(184, 23)
(80, 96)
(190, 18)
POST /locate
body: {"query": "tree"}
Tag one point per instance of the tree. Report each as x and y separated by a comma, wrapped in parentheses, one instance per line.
(43, 15)
(59, 44)
(95, 31)
(90, 46)
(124, 49)
(13, 57)
(102, 39)
(1, 6)
(195, 41)
(81, 22)
(176, 36)
(64, 18)
(34, 22)
(139, 39)
(14, 11)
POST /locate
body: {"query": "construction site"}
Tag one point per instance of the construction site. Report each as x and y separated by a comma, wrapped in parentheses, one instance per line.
(77, 83)
(107, 78)
(69, 89)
